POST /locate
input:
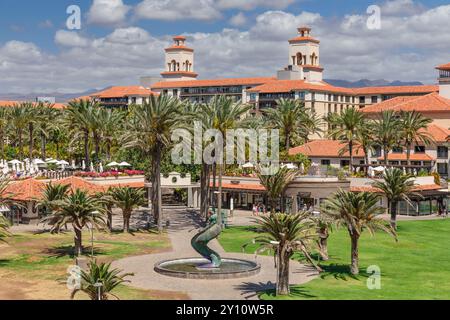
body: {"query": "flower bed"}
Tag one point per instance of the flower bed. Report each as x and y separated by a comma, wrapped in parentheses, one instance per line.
(110, 174)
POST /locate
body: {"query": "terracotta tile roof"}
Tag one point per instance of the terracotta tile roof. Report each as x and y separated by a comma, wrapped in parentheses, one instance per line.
(241, 186)
(175, 47)
(302, 39)
(325, 148)
(212, 83)
(414, 157)
(182, 38)
(4, 103)
(25, 190)
(444, 67)
(76, 183)
(432, 102)
(186, 73)
(285, 86)
(122, 92)
(396, 90)
(438, 133)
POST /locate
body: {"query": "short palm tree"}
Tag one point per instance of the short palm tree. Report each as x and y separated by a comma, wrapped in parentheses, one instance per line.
(324, 226)
(276, 184)
(5, 202)
(396, 186)
(80, 210)
(357, 212)
(345, 127)
(285, 235)
(100, 274)
(387, 132)
(149, 130)
(127, 199)
(52, 196)
(413, 131)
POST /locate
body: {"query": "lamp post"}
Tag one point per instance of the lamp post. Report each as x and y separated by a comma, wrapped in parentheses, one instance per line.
(99, 286)
(92, 234)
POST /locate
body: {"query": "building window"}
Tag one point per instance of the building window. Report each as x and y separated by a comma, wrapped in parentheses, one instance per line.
(397, 150)
(345, 163)
(362, 100)
(442, 168)
(175, 92)
(376, 152)
(442, 152)
(374, 99)
(419, 149)
(325, 162)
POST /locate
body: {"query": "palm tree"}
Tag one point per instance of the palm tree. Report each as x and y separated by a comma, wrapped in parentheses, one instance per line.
(413, 131)
(4, 225)
(292, 119)
(4, 120)
(312, 124)
(224, 114)
(110, 122)
(396, 186)
(276, 184)
(128, 199)
(357, 212)
(100, 274)
(345, 127)
(79, 118)
(52, 196)
(150, 129)
(365, 139)
(286, 235)
(324, 226)
(108, 202)
(5, 202)
(19, 120)
(387, 132)
(48, 121)
(32, 119)
(78, 209)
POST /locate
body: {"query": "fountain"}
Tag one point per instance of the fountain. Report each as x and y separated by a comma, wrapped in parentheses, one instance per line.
(211, 265)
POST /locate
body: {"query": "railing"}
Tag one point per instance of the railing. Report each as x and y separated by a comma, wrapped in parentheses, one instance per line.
(57, 175)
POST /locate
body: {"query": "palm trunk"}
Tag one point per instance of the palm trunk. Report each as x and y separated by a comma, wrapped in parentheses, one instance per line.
(43, 147)
(86, 147)
(350, 150)
(110, 218)
(385, 151)
(354, 269)
(323, 243)
(31, 142)
(19, 133)
(283, 260)
(219, 200)
(205, 189)
(156, 188)
(408, 156)
(78, 242)
(97, 146)
(393, 209)
(108, 151)
(287, 142)
(126, 220)
(2, 144)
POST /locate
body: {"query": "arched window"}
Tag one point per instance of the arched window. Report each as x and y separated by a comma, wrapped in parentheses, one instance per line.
(313, 59)
(299, 59)
(174, 65)
(188, 65)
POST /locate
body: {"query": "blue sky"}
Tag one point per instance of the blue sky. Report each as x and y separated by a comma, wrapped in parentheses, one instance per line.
(34, 25)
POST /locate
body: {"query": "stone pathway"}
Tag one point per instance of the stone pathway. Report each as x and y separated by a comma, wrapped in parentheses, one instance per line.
(182, 228)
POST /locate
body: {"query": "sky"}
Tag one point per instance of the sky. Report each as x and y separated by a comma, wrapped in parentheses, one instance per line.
(121, 40)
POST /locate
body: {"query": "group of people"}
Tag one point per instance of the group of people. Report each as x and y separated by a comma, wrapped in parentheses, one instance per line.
(259, 209)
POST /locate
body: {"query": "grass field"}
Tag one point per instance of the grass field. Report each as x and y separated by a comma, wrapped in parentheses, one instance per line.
(34, 266)
(417, 267)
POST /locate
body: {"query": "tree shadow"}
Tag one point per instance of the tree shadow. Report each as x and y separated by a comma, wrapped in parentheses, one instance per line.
(68, 251)
(252, 289)
(340, 272)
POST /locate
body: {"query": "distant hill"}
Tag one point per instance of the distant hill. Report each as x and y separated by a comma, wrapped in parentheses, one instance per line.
(64, 97)
(370, 83)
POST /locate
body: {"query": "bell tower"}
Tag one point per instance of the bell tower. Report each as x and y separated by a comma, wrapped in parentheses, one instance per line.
(444, 80)
(179, 61)
(304, 57)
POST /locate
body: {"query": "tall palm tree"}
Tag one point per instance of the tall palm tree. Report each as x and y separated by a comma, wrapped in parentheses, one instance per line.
(80, 210)
(48, 121)
(111, 122)
(150, 129)
(396, 186)
(100, 273)
(345, 128)
(33, 116)
(365, 139)
(127, 199)
(79, 119)
(290, 118)
(224, 114)
(356, 212)
(4, 120)
(312, 124)
(19, 118)
(276, 184)
(413, 131)
(286, 235)
(387, 132)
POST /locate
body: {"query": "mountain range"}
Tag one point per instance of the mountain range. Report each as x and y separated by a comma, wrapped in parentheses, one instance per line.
(64, 97)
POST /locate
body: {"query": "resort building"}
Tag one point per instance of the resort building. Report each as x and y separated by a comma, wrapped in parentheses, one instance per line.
(122, 97)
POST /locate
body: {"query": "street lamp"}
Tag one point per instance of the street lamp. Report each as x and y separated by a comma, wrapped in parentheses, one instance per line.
(99, 286)
(92, 234)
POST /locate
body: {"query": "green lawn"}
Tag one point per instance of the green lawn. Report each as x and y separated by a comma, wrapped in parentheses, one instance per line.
(417, 267)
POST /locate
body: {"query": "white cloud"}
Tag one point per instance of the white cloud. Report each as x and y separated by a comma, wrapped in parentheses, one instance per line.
(408, 47)
(70, 39)
(178, 10)
(108, 12)
(238, 20)
(252, 4)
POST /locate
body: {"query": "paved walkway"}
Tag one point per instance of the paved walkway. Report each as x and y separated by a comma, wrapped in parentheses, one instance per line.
(180, 232)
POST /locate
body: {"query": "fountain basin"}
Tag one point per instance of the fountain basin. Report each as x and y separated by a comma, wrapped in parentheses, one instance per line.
(191, 268)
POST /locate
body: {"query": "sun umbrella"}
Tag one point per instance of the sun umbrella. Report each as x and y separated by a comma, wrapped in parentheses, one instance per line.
(124, 164)
(248, 165)
(13, 162)
(112, 164)
(38, 162)
(53, 161)
(289, 166)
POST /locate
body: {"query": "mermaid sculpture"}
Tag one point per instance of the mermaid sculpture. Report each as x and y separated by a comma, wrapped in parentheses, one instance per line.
(201, 240)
